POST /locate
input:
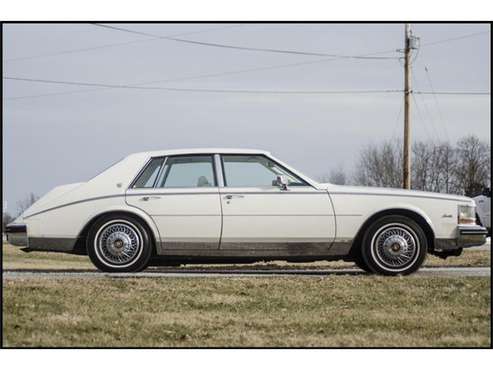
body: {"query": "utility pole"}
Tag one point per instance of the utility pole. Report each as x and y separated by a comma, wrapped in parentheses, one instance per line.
(406, 165)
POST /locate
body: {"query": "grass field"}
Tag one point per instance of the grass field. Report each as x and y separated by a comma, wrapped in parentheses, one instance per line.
(235, 312)
(334, 311)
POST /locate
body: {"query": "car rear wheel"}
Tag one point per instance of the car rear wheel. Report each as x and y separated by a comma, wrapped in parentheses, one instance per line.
(358, 260)
(394, 245)
(119, 243)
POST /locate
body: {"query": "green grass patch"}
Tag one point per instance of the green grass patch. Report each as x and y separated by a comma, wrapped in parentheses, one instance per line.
(288, 311)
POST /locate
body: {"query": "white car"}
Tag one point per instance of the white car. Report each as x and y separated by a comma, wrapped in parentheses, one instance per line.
(483, 210)
(236, 205)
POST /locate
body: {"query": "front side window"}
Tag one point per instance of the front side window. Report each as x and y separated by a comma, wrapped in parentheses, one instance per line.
(255, 171)
(187, 172)
(148, 177)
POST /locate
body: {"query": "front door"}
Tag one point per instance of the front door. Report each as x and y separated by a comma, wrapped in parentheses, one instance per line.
(258, 214)
(181, 195)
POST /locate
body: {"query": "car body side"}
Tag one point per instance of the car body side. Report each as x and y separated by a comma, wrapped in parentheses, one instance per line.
(59, 220)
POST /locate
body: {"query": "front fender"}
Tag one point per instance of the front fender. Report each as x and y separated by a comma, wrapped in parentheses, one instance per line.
(406, 207)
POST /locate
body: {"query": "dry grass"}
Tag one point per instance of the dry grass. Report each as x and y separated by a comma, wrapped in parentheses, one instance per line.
(330, 311)
(14, 258)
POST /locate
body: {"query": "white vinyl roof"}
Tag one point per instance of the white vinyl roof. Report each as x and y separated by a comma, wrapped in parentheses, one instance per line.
(158, 153)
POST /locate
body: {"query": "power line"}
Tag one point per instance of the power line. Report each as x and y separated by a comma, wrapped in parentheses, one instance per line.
(195, 77)
(241, 91)
(422, 121)
(454, 38)
(245, 48)
(437, 105)
(427, 111)
(453, 92)
(105, 46)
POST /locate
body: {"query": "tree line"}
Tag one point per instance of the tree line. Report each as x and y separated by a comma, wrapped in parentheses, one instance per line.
(463, 168)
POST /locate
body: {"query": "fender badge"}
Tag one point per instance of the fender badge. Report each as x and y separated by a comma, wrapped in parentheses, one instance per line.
(447, 216)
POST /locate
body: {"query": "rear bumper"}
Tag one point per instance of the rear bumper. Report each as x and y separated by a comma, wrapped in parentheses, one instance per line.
(467, 236)
(16, 234)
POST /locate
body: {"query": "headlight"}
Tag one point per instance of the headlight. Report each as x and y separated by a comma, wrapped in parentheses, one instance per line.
(466, 215)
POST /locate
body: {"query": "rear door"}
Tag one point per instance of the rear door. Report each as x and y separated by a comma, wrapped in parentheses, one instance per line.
(181, 195)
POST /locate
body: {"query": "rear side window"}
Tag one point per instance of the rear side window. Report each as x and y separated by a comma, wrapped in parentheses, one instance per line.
(149, 176)
(189, 171)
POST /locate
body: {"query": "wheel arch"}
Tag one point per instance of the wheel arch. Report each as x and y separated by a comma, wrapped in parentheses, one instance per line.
(80, 245)
(421, 219)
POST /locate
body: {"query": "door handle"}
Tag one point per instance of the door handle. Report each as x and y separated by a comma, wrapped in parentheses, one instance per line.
(146, 198)
(231, 196)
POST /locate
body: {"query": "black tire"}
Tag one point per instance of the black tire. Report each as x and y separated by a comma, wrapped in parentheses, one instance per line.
(119, 243)
(358, 260)
(394, 245)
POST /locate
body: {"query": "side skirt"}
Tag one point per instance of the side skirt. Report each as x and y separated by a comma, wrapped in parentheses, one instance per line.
(259, 250)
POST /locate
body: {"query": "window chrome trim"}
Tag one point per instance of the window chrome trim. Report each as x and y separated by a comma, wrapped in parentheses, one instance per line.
(214, 172)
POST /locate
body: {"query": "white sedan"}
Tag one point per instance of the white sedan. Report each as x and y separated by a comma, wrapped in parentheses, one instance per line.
(236, 205)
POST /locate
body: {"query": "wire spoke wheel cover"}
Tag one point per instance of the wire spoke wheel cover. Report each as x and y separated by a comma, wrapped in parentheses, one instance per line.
(394, 247)
(118, 243)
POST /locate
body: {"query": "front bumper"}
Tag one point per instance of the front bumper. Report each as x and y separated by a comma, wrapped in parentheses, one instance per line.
(467, 236)
(471, 236)
(16, 234)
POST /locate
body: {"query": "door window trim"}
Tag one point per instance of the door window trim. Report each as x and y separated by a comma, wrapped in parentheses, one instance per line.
(224, 177)
(213, 164)
(142, 170)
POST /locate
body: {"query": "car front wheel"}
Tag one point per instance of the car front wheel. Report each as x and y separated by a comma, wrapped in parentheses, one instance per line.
(394, 245)
(119, 243)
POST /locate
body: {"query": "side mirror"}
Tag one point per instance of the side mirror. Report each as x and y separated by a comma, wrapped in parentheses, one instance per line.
(282, 182)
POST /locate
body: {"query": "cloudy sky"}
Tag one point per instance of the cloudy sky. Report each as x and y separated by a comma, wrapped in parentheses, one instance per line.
(62, 133)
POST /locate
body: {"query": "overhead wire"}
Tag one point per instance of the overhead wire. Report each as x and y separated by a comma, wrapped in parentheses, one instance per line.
(245, 48)
(423, 123)
(193, 77)
(454, 38)
(241, 91)
(426, 110)
(117, 44)
(435, 99)
(218, 74)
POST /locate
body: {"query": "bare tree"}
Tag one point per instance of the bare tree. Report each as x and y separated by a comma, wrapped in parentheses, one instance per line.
(473, 165)
(25, 203)
(444, 164)
(380, 166)
(423, 157)
(337, 176)
(437, 167)
(433, 165)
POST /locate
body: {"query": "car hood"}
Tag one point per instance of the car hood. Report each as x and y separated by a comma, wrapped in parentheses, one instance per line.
(331, 188)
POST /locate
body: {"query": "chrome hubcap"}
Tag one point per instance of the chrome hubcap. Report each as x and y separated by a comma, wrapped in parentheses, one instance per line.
(395, 246)
(118, 243)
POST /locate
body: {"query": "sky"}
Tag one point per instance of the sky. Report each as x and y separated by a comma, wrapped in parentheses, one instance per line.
(55, 134)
